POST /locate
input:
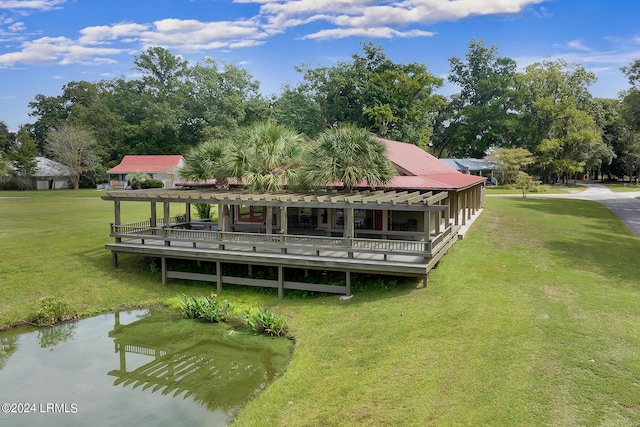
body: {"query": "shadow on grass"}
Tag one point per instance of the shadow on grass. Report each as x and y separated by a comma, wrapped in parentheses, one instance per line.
(565, 207)
(131, 267)
(603, 247)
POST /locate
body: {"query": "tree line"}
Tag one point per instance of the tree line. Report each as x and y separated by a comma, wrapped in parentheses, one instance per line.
(175, 107)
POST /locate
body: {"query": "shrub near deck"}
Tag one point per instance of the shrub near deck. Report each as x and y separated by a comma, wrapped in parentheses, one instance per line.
(532, 319)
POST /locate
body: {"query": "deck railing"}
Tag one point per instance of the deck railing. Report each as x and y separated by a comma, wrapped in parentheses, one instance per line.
(143, 226)
(143, 230)
(390, 245)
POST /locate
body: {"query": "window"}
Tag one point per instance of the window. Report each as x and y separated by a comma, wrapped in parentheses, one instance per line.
(251, 213)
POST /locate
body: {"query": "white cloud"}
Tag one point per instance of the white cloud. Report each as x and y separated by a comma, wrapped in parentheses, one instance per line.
(105, 33)
(53, 50)
(573, 45)
(361, 13)
(30, 4)
(94, 43)
(17, 27)
(578, 45)
(193, 35)
(380, 32)
(595, 60)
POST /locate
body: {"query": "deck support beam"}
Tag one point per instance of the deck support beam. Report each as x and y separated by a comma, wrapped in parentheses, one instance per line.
(284, 227)
(280, 282)
(426, 217)
(117, 219)
(349, 228)
(163, 269)
(153, 219)
(218, 276)
(167, 220)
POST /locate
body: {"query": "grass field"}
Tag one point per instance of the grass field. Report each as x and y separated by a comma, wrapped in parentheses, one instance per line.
(533, 319)
(543, 189)
(622, 187)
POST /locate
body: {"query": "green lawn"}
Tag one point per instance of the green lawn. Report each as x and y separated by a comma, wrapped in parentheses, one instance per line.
(533, 319)
(544, 189)
(621, 187)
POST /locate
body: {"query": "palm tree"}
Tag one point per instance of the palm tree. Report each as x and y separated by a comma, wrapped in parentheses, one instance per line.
(349, 155)
(267, 157)
(205, 162)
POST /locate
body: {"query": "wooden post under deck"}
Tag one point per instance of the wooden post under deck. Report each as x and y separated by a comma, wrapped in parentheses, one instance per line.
(218, 276)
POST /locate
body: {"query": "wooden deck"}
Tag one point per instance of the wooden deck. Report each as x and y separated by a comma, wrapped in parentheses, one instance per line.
(400, 233)
(357, 255)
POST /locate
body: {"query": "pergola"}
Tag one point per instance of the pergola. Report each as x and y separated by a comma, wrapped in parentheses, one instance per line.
(403, 233)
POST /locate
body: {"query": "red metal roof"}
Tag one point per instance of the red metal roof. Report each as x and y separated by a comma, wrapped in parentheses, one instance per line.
(413, 160)
(420, 170)
(147, 164)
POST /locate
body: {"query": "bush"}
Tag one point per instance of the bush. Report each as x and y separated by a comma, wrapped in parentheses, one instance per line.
(208, 308)
(263, 320)
(204, 210)
(151, 183)
(142, 180)
(257, 320)
(52, 311)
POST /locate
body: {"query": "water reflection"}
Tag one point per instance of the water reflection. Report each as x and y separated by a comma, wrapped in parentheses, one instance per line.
(144, 366)
(51, 337)
(8, 346)
(217, 370)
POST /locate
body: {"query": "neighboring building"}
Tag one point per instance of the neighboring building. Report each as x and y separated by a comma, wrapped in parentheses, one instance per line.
(50, 175)
(480, 167)
(165, 168)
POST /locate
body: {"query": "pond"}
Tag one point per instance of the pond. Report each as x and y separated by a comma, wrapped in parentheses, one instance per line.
(140, 367)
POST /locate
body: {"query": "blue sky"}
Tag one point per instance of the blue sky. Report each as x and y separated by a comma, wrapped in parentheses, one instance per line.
(45, 44)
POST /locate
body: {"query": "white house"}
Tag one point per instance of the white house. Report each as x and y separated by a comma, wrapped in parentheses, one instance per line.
(165, 168)
(50, 175)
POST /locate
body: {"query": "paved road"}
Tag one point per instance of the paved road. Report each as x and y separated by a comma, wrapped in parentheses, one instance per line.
(625, 204)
